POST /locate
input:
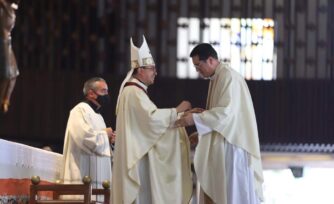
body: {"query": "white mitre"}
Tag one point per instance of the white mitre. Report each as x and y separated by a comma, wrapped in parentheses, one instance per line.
(140, 57)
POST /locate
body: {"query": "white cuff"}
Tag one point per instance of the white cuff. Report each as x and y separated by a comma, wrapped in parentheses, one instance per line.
(173, 117)
(202, 129)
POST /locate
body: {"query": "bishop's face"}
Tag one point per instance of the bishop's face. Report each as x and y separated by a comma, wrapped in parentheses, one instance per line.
(148, 74)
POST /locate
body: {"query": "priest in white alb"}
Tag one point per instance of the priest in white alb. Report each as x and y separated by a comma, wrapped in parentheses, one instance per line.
(151, 157)
(227, 158)
(87, 140)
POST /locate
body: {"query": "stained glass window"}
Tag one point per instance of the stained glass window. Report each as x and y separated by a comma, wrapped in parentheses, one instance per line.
(246, 44)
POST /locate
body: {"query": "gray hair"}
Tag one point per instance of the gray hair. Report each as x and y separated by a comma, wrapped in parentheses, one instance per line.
(90, 84)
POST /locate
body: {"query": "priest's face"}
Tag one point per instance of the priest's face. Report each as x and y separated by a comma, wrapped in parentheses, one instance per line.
(99, 95)
(148, 74)
(101, 88)
(203, 67)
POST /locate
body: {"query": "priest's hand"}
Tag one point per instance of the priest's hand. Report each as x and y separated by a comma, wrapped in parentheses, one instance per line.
(193, 138)
(185, 120)
(183, 106)
(111, 135)
(196, 110)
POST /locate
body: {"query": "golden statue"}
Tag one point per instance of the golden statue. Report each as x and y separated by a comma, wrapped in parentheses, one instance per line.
(8, 66)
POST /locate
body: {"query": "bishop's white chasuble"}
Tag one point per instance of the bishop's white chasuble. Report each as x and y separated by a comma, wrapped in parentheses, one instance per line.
(151, 159)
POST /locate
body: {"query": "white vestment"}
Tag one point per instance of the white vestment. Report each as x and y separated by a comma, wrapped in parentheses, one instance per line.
(86, 148)
(151, 159)
(227, 159)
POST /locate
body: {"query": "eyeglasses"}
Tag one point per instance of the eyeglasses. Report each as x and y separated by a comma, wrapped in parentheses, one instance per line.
(151, 67)
(199, 64)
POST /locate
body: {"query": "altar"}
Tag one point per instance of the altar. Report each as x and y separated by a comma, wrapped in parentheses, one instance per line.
(18, 163)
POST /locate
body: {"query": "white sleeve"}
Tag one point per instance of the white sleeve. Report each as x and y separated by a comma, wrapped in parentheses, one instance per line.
(86, 135)
(202, 129)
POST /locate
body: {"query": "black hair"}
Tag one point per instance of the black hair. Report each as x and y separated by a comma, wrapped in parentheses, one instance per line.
(204, 51)
(135, 71)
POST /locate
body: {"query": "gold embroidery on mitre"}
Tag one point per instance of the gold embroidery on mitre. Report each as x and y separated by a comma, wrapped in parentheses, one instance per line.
(134, 64)
(148, 61)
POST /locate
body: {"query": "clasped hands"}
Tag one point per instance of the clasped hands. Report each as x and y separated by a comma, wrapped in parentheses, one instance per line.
(187, 117)
(111, 135)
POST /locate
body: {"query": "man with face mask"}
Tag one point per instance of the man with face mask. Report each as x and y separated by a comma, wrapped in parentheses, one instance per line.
(87, 141)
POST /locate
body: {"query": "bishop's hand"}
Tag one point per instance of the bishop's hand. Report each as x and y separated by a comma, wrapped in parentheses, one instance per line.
(185, 120)
(183, 106)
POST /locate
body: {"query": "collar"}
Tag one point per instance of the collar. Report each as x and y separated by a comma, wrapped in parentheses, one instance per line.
(93, 106)
(217, 70)
(139, 83)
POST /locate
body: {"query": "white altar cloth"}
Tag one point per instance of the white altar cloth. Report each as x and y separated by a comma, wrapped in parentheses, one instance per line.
(18, 163)
(23, 161)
